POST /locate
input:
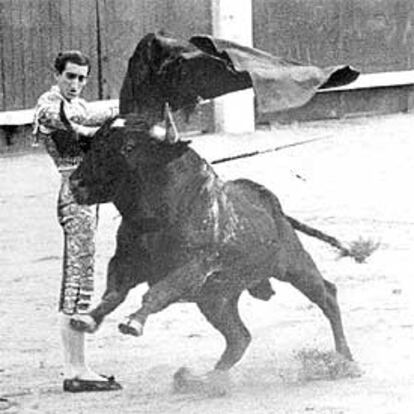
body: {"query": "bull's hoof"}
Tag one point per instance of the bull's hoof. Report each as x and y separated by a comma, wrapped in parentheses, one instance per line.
(83, 323)
(214, 384)
(131, 327)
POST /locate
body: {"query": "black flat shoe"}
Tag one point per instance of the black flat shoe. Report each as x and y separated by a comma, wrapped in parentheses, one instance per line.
(80, 385)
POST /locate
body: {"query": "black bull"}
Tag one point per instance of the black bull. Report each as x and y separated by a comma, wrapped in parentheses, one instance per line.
(192, 237)
(184, 231)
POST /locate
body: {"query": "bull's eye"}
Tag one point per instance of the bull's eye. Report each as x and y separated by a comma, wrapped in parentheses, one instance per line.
(128, 148)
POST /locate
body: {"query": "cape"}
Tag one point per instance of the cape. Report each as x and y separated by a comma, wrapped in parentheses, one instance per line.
(181, 73)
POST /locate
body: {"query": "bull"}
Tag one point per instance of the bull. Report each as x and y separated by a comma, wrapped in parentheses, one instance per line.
(192, 237)
(187, 233)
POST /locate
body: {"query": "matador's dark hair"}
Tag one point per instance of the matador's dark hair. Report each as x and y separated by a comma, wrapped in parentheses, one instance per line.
(73, 56)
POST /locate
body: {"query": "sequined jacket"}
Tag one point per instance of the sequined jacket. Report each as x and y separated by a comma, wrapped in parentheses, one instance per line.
(47, 126)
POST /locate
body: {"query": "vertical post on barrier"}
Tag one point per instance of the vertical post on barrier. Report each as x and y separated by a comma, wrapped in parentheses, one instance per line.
(233, 20)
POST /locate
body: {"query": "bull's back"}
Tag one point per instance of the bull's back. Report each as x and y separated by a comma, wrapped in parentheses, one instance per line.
(255, 218)
(254, 202)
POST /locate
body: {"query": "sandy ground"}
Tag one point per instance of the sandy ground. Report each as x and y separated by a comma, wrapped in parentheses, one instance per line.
(356, 182)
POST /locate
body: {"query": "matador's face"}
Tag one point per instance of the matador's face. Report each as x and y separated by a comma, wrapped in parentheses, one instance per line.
(72, 80)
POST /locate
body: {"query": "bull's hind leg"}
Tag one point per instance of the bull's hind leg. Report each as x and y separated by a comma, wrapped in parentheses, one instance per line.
(222, 312)
(305, 276)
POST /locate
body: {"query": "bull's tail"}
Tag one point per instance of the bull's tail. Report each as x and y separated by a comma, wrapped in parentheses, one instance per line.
(318, 234)
(359, 249)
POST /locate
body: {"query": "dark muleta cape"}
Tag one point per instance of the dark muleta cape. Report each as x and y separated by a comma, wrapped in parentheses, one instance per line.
(181, 73)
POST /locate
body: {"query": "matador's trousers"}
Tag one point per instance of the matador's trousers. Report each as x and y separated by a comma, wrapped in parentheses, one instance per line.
(79, 224)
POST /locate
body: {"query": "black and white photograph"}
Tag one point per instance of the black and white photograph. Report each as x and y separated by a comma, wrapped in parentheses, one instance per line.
(205, 206)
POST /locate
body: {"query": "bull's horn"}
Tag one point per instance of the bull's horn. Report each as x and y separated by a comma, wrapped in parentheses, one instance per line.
(171, 131)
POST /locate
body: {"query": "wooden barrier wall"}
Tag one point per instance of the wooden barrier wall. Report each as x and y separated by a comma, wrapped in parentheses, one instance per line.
(373, 35)
(32, 32)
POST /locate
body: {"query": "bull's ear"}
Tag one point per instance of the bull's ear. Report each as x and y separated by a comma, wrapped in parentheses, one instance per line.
(171, 131)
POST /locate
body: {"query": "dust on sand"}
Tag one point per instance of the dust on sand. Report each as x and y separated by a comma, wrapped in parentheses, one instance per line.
(355, 184)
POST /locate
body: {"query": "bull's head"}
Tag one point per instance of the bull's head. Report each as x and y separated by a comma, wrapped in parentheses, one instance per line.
(103, 168)
(118, 150)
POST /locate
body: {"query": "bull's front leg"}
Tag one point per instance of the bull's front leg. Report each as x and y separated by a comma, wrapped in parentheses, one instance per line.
(182, 282)
(123, 274)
